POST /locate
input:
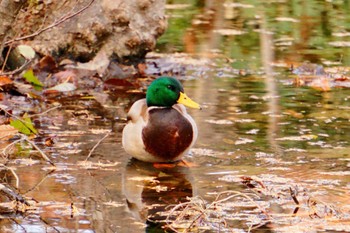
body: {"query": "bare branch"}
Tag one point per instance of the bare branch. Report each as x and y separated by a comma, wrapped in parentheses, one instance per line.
(54, 24)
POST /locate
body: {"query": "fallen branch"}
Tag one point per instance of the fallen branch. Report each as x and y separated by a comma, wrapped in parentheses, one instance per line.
(12, 194)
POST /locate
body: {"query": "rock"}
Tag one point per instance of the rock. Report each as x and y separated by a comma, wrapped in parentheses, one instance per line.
(124, 30)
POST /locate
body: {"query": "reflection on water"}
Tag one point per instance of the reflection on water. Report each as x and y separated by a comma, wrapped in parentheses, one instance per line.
(254, 123)
(149, 191)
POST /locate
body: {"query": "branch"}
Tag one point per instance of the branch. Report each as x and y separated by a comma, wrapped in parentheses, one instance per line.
(54, 24)
(39, 150)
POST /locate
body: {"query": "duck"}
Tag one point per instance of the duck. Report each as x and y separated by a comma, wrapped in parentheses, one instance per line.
(159, 129)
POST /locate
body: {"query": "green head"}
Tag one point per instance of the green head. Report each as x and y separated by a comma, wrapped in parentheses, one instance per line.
(164, 91)
(167, 91)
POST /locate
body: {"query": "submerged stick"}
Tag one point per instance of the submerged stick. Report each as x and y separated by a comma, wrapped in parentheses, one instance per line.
(12, 194)
(46, 111)
(13, 173)
(98, 143)
(38, 149)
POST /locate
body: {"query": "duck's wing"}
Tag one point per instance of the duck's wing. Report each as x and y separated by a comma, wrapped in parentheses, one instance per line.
(137, 110)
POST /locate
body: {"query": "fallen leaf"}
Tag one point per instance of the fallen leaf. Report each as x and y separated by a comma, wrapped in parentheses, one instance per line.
(24, 125)
(31, 78)
(47, 64)
(116, 83)
(26, 51)
(62, 76)
(63, 87)
(4, 80)
(7, 131)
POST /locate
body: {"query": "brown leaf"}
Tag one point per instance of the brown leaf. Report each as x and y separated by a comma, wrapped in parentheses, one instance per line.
(47, 64)
(4, 80)
(115, 83)
(7, 131)
(65, 75)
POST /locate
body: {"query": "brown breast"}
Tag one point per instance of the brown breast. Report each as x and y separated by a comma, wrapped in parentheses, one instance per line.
(167, 134)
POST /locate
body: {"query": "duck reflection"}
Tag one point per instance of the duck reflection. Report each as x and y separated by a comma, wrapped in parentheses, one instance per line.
(149, 190)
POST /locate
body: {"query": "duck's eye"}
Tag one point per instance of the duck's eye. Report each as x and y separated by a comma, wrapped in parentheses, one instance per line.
(171, 87)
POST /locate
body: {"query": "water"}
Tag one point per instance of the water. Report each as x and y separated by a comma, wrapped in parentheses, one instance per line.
(255, 139)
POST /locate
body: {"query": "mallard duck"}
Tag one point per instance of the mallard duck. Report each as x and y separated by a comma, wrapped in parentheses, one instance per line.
(159, 129)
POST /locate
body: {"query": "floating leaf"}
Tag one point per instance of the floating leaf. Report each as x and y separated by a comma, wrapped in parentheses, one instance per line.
(30, 77)
(24, 125)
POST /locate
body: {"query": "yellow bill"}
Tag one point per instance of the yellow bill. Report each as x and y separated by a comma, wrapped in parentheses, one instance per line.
(185, 100)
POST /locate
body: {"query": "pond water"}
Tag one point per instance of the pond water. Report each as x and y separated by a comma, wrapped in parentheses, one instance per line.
(262, 139)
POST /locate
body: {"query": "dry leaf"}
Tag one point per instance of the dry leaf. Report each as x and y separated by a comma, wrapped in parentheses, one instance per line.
(4, 80)
(7, 131)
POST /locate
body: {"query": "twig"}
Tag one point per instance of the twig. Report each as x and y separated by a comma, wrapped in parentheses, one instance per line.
(46, 111)
(54, 24)
(17, 118)
(236, 193)
(38, 149)
(38, 184)
(6, 58)
(198, 208)
(48, 224)
(18, 70)
(3, 151)
(13, 173)
(294, 196)
(12, 194)
(98, 143)
(17, 223)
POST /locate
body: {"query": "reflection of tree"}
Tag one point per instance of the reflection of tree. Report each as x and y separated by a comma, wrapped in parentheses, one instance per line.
(267, 56)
